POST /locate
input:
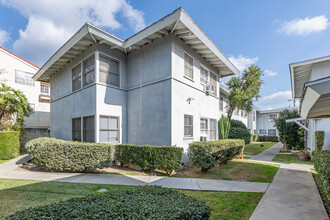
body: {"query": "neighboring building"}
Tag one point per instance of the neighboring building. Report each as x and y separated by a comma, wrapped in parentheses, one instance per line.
(310, 82)
(17, 73)
(159, 86)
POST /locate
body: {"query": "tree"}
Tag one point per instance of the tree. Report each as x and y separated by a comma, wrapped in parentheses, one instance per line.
(13, 105)
(244, 89)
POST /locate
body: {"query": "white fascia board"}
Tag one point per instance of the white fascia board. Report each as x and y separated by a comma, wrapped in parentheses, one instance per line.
(67, 46)
(105, 35)
(194, 28)
(292, 81)
(308, 101)
(164, 22)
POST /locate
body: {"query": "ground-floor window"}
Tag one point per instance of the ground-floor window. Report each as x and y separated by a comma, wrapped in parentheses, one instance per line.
(89, 131)
(203, 129)
(188, 126)
(76, 129)
(213, 129)
(271, 132)
(109, 129)
(262, 131)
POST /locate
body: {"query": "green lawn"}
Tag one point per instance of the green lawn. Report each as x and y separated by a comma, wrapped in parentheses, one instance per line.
(3, 161)
(18, 195)
(236, 169)
(323, 195)
(291, 159)
(255, 149)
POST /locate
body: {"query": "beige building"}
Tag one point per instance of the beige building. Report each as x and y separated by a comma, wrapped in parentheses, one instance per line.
(17, 73)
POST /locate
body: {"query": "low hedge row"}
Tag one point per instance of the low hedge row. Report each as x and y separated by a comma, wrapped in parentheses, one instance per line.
(206, 155)
(149, 157)
(144, 202)
(59, 155)
(9, 144)
(268, 138)
(240, 133)
(321, 160)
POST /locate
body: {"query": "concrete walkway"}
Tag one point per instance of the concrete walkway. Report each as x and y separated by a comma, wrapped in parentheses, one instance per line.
(269, 154)
(292, 194)
(11, 170)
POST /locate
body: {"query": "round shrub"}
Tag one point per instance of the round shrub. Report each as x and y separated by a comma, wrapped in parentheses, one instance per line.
(59, 155)
(237, 124)
(240, 133)
(9, 144)
(143, 202)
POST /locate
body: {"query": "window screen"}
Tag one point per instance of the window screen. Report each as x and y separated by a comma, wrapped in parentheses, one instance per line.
(109, 129)
(88, 124)
(213, 129)
(188, 125)
(24, 78)
(109, 71)
(88, 70)
(188, 66)
(76, 129)
(76, 78)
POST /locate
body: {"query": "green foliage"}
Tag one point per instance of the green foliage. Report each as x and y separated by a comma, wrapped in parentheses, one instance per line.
(205, 155)
(13, 102)
(143, 202)
(319, 139)
(149, 157)
(240, 133)
(244, 89)
(321, 160)
(59, 155)
(224, 127)
(288, 132)
(237, 124)
(254, 137)
(268, 139)
(9, 144)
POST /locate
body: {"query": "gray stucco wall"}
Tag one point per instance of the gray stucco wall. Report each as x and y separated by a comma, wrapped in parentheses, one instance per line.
(264, 123)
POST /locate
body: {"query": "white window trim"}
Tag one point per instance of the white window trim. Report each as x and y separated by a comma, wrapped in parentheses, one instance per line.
(119, 127)
(184, 66)
(208, 78)
(119, 70)
(192, 136)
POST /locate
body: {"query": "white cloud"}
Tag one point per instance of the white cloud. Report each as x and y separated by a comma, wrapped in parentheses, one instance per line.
(304, 26)
(270, 73)
(276, 100)
(242, 62)
(4, 36)
(51, 23)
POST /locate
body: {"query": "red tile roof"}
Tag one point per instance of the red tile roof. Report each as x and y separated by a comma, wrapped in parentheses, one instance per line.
(19, 57)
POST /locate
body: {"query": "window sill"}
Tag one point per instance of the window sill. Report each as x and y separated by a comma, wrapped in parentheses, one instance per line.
(188, 138)
(186, 77)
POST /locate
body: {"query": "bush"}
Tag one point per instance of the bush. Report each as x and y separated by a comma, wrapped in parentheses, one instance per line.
(143, 202)
(321, 160)
(9, 144)
(149, 157)
(319, 139)
(268, 139)
(205, 155)
(59, 155)
(254, 137)
(240, 133)
(237, 124)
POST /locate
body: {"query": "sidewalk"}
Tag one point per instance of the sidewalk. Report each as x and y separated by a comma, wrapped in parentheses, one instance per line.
(292, 194)
(10, 170)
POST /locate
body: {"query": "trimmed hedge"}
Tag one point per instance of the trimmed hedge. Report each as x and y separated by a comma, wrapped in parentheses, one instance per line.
(9, 144)
(143, 202)
(206, 155)
(59, 155)
(240, 133)
(254, 137)
(268, 138)
(149, 157)
(319, 135)
(321, 160)
(237, 124)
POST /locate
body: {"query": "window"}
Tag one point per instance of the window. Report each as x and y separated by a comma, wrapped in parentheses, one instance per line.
(221, 104)
(24, 78)
(76, 78)
(242, 113)
(262, 131)
(254, 115)
(188, 66)
(203, 129)
(213, 129)
(88, 124)
(188, 126)
(109, 129)
(109, 71)
(213, 83)
(34, 109)
(271, 132)
(44, 89)
(236, 112)
(76, 129)
(88, 71)
(272, 117)
(204, 78)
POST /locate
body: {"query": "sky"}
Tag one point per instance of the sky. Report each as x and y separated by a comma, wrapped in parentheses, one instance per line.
(271, 34)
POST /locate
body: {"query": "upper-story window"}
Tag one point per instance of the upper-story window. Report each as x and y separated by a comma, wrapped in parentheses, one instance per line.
(188, 66)
(221, 104)
(208, 81)
(24, 78)
(236, 112)
(213, 83)
(89, 71)
(272, 117)
(76, 78)
(109, 71)
(44, 89)
(204, 76)
(254, 115)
